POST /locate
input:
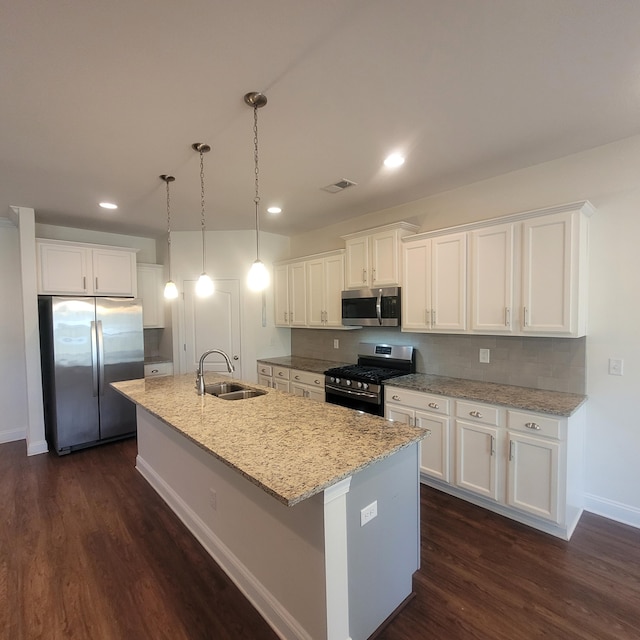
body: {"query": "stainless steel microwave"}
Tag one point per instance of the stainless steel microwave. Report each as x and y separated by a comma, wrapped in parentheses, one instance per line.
(378, 307)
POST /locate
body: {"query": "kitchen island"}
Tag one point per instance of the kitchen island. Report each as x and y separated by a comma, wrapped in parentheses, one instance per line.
(277, 489)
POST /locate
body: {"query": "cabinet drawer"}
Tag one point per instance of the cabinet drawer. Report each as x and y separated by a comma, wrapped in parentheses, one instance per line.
(265, 369)
(281, 373)
(307, 377)
(481, 413)
(535, 424)
(417, 400)
(158, 369)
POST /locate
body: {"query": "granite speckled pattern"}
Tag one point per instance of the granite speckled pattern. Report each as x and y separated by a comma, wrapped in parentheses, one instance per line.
(291, 447)
(304, 364)
(553, 402)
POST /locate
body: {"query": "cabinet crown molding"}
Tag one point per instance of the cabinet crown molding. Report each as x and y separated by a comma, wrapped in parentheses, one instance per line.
(315, 256)
(87, 245)
(404, 226)
(582, 206)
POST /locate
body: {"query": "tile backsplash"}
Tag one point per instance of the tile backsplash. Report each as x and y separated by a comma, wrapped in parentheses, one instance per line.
(556, 364)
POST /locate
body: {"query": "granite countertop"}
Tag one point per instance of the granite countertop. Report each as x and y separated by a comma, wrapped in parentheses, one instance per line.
(304, 364)
(552, 402)
(291, 447)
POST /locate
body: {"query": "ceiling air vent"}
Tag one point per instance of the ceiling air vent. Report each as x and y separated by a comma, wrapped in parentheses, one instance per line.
(341, 185)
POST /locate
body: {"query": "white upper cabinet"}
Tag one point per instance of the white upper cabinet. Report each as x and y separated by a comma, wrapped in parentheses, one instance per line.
(69, 268)
(150, 292)
(373, 256)
(325, 281)
(290, 294)
(491, 278)
(434, 290)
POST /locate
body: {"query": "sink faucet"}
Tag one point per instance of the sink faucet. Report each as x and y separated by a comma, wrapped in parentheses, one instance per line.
(200, 372)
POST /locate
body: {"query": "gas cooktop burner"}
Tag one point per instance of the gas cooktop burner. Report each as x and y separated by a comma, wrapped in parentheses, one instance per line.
(363, 373)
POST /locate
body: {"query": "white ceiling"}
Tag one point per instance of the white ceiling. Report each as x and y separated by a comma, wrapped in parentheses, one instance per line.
(100, 98)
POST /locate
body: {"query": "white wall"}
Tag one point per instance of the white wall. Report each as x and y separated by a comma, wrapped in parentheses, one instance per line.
(229, 256)
(608, 176)
(13, 396)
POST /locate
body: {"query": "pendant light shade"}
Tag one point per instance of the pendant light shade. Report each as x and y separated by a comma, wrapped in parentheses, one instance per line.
(258, 277)
(170, 289)
(204, 286)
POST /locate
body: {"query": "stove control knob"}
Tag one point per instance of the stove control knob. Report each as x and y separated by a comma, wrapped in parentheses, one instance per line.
(337, 380)
(365, 386)
(359, 385)
(348, 383)
(332, 379)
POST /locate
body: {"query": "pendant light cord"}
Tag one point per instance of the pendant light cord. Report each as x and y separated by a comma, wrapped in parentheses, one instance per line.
(257, 172)
(168, 227)
(202, 207)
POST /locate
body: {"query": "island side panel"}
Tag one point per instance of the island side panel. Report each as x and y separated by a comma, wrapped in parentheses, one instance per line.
(274, 553)
(385, 552)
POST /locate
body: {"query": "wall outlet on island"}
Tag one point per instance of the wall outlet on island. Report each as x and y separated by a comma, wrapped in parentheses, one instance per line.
(336, 344)
(484, 356)
(368, 513)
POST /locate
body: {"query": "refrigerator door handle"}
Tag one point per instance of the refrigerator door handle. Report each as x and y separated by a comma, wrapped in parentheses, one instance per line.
(94, 357)
(100, 358)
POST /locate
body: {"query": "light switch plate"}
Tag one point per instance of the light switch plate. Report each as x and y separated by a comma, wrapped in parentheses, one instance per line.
(616, 366)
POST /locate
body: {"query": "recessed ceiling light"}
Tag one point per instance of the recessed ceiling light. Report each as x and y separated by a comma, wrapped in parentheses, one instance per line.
(108, 205)
(394, 160)
(274, 210)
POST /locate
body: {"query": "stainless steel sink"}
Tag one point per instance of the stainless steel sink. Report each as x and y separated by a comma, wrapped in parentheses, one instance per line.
(241, 395)
(217, 388)
(232, 391)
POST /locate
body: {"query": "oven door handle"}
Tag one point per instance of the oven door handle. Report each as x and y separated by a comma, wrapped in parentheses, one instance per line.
(379, 306)
(351, 392)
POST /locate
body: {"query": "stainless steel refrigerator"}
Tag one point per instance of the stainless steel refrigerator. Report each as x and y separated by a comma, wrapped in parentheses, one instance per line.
(86, 343)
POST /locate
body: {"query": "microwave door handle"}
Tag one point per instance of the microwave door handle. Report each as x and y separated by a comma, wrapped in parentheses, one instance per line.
(379, 306)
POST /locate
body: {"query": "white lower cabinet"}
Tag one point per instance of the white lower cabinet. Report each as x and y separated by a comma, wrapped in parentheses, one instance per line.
(305, 384)
(158, 369)
(523, 465)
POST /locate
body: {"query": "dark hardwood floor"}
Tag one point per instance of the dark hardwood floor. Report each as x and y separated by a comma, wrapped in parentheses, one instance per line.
(89, 551)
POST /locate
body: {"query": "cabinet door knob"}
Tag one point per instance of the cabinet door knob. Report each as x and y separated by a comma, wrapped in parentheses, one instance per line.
(532, 425)
(434, 405)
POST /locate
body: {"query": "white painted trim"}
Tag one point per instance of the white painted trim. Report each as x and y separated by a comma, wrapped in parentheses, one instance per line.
(278, 618)
(13, 435)
(336, 490)
(402, 225)
(35, 448)
(613, 510)
(6, 222)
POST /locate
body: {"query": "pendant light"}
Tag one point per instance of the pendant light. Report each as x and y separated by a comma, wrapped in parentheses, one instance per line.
(204, 286)
(170, 289)
(258, 277)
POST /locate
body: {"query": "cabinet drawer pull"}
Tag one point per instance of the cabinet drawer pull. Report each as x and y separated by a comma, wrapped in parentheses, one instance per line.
(297, 377)
(280, 373)
(395, 397)
(475, 414)
(154, 370)
(493, 445)
(511, 451)
(434, 405)
(317, 382)
(373, 275)
(507, 317)
(526, 317)
(532, 425)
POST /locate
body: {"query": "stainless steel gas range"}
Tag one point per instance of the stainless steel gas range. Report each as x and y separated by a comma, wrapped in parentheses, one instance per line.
(359, 386)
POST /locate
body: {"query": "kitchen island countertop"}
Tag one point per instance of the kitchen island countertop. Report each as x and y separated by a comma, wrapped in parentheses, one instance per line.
(291, 447)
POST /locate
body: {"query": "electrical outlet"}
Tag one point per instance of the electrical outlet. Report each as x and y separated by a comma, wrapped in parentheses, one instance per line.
(616, 366)
(484, 355)
(213, 499)
(336, 344)
(368, 513)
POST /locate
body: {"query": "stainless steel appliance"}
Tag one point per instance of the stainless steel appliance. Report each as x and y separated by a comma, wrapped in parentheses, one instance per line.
(379, 307)
(86, 343)
(359, 386)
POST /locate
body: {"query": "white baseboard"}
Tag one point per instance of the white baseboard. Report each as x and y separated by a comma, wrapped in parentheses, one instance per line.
(278, 618)
(35, 448)
(613, 510)
(12, 435)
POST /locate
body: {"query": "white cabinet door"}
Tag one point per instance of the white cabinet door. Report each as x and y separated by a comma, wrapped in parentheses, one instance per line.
(384, 268)
(357, 262)
(297, 295)
(398, 413)
(434, 450)
(281, 385)
(416, 290)
(449, 282)
(477, 455)
(492, 279)
(315, 292)
(533, 481)
(265, 381)
(64, 269)
(150, 292)
(333, 286)
(281, 295)
(114, 273)
(548, 283)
